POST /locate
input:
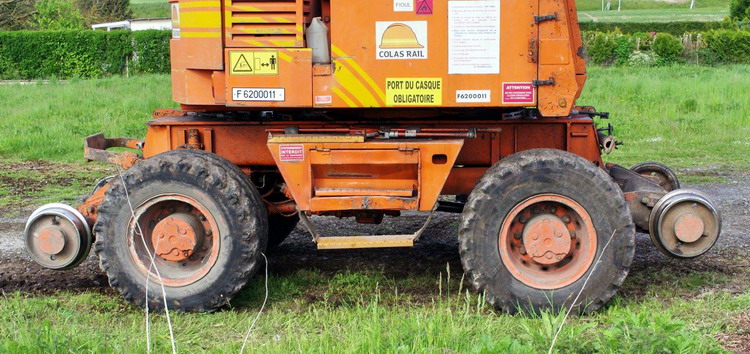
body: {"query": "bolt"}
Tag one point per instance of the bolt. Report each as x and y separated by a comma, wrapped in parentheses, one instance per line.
(161, 235)
(91, 209)
(559, 257)
(56, 220)
(536, 210)
(566, 219)
(204, 248)
(517, 235)
(522, 250)
(202, 217)
(183, 231)
(209, 232)
(52, 257)
(559, 234)
(572, 234)
(522, 220)
(535, 236)
(552, 210)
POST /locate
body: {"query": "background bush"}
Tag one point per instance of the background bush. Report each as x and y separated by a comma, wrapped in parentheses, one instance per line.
(84, 54)
(675, 28)
(739, 9)
(668, 47)
(729, 46)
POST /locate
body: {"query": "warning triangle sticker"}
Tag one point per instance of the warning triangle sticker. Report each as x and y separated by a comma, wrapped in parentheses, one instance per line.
(424, 7)
(242, 65)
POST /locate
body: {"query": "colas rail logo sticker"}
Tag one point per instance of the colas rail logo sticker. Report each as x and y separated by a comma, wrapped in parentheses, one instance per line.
(401, 40)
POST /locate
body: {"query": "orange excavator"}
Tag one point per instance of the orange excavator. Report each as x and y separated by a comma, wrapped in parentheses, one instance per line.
(364, 109)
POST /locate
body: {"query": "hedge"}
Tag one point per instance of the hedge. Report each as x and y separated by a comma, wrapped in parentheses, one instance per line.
(91, 54)
(85, 54)
(150, 51)
(675, 28)
(710, 48)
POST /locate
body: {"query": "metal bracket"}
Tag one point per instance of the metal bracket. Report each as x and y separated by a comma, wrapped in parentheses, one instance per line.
(538, 19)
(352, 242)
(537, 83)
(95, 149)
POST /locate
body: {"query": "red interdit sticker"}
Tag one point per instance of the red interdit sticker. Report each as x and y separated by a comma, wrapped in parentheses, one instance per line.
(424, 7)
(291, 152)
(518, 92)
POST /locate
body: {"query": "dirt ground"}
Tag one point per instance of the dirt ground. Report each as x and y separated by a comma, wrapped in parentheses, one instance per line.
(430, 255)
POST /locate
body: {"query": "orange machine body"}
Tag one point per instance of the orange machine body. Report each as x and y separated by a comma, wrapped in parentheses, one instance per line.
(375, 105)
(240, 55)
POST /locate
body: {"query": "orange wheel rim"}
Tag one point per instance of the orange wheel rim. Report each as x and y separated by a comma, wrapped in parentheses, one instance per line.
(181, 236)
(548, 241)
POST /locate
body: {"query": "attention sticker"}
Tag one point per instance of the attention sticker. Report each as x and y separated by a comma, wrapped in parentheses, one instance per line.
(518, 92)
(414, 92)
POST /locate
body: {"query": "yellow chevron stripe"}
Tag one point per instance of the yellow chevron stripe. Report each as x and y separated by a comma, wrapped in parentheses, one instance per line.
(200, 19)
(344, 97)
(360, 71)
(355, 87)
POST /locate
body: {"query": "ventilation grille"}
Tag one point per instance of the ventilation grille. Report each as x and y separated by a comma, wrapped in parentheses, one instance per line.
(266, 23)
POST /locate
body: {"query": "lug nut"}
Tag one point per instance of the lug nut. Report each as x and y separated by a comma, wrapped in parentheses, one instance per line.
(572, 234)
(566, 219)
(522, 220)
(522, 250)
(552, 210)
(517, 235)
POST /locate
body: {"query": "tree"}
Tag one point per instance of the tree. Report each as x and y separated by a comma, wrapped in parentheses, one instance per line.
(97, 11)
(55, 15)
(16, 14)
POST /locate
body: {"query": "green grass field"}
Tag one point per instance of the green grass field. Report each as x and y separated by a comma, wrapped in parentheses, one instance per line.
(686, 116)
(368, 312)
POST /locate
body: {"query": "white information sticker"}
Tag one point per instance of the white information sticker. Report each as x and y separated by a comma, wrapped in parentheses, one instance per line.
(474, 37)
(258, 94)
(401, 40)
(403, 5)
(473, 96)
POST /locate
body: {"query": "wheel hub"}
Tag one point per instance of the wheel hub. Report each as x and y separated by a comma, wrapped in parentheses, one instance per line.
(51, 240)
(176, 237)
(689, 227)
(546, 239)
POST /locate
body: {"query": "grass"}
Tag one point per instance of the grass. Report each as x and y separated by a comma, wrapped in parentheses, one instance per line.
(48, 121)
(685, 116)
(149, 8)
(367, 312)
(704, 14)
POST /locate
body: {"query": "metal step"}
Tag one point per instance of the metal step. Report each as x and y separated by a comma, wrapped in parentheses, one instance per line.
(349, 242)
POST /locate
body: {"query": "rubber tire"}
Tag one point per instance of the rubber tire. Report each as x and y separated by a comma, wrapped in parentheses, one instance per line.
(659, 168)
(222, 188)
(279, 228)
(513, 180)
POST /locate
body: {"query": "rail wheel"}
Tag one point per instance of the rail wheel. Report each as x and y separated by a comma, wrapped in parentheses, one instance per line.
(187, 219)
(659, 173)
(534, 227)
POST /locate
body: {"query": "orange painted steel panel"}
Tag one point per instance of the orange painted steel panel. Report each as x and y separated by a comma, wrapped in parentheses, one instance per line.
(288, 85)
(386, 58)
(380, 174)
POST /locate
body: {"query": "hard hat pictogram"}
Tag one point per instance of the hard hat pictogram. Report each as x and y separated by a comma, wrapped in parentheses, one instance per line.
(399, 35)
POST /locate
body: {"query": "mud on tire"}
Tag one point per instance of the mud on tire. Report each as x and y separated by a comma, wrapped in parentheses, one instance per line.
(214, 190)
(518, 179)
